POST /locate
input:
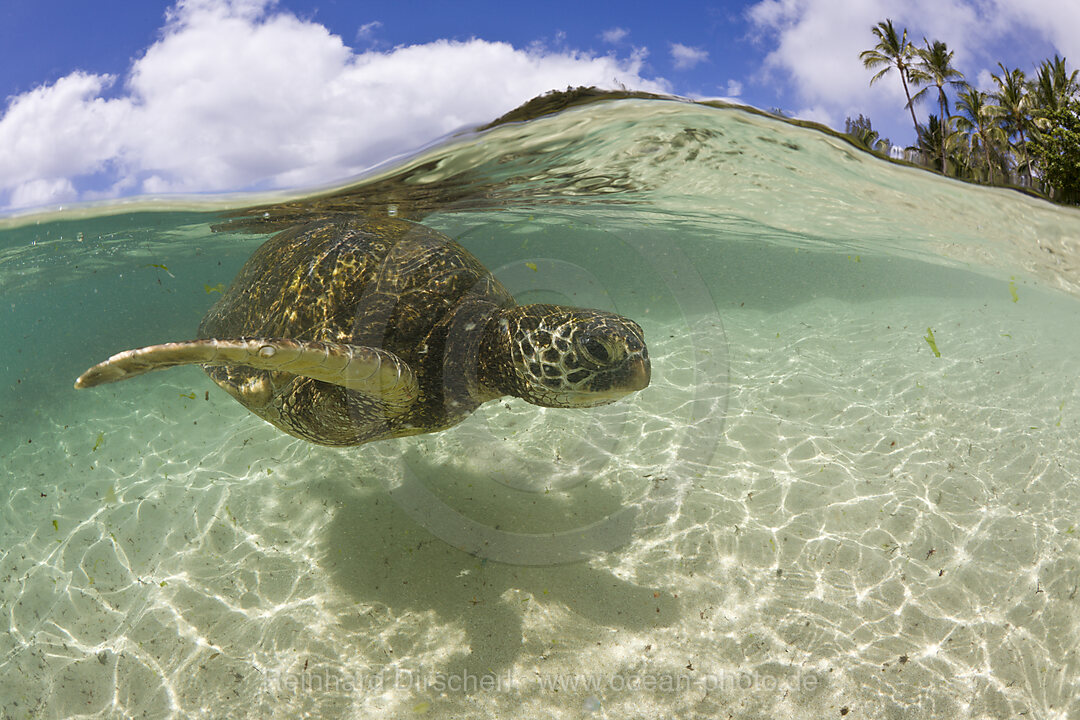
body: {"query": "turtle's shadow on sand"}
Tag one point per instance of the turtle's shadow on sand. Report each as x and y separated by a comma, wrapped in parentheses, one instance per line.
(379, 555)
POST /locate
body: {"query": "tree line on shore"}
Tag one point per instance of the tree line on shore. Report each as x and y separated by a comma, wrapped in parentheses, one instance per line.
(1025, 132)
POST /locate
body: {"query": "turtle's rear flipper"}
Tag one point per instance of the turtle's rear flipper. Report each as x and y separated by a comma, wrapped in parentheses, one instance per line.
(364, 369)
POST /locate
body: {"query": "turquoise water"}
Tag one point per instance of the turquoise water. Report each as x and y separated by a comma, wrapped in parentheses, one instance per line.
(808, 510)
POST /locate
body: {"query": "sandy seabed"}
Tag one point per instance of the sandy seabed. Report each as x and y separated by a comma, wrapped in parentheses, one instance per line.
(807, 514)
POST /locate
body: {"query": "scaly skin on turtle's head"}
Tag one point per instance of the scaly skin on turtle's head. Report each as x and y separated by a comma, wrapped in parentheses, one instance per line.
(557, 356)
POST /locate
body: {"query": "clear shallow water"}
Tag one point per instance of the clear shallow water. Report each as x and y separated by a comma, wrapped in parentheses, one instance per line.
(806, 511)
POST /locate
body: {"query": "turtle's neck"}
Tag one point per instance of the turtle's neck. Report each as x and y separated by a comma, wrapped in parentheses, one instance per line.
(495, 376)
(473, 358)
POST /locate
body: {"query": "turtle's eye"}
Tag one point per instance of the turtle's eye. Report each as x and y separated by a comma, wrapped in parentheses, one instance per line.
(597, 351)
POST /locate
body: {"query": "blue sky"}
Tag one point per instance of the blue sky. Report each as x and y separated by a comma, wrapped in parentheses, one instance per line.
(147, 97)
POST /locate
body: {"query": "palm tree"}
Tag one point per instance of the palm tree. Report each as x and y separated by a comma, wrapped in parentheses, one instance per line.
(978, 118)
(862, 132)
(938, 144)
(935, 66)
(1049, 92)
(892, 51)
(1015, 102)
(1054, 85)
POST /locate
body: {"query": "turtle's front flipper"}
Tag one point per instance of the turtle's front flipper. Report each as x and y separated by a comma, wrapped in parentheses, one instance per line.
(364, 369)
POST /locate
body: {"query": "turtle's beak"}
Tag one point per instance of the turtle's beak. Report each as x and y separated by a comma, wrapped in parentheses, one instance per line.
(638, 374)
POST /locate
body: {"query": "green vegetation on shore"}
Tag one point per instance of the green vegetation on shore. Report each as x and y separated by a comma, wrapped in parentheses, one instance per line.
(1024, 133)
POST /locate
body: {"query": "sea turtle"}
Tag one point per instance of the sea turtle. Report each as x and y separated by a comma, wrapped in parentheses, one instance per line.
(352, 329)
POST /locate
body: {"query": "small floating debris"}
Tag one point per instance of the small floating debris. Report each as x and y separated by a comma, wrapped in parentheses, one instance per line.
(189, 396)
(97, 443)
(1012, 289)
(531, 266)
(219, 288)
(159, 266)
(930, 341)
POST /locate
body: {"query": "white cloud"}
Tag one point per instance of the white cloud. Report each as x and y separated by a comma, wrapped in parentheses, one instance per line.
(43, 191)
(686, 57)
(57, 131)
(985, 80)
(734, 88)
(817, 45)
(366, 32)
(235, 96)
(614, 35)
(1056, 20)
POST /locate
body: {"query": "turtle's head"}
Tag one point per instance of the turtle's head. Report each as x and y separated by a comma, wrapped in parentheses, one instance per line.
(558, 356)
